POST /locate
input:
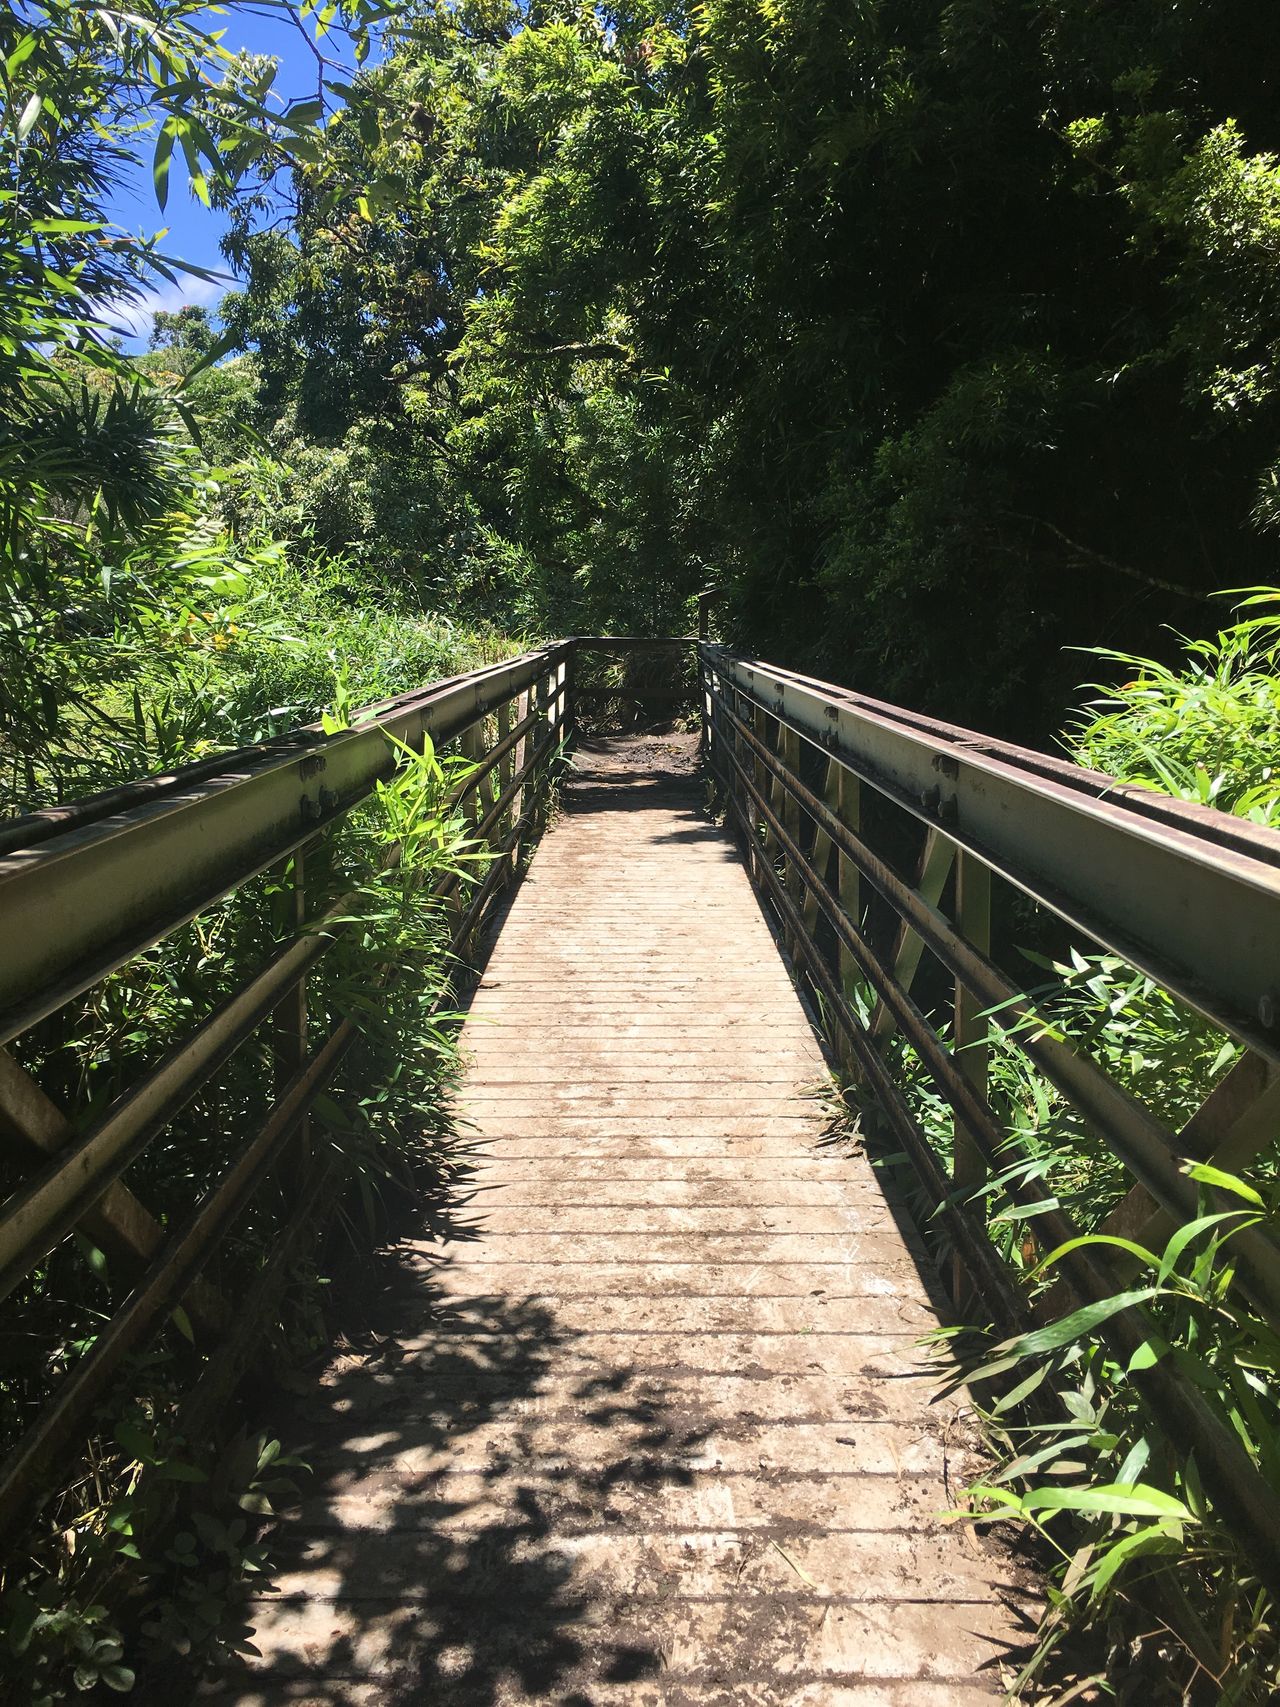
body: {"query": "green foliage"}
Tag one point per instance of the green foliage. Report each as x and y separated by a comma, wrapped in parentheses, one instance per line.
(1164, 1054)
(187, 332)
(172, 1523)
(79, 89)
(1123, 1510)
(122, 586)
(458, 406)
(188, 1536)
(1145, 1564)
(42, 1644)
(942, 334)
(937, 332)
(154, 610)
(185, 640)
(195, 1598)
(1207, 730)
(1137, 1546)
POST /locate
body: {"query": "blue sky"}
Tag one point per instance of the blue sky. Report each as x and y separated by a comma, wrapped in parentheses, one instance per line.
(193, 231)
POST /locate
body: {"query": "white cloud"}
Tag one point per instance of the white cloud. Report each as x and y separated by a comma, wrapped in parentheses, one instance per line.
(133, 320)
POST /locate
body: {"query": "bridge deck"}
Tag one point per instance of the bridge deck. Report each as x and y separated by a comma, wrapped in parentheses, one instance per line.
(659, 1430)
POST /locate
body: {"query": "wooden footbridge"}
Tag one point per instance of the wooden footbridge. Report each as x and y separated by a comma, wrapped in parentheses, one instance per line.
(646, 1415)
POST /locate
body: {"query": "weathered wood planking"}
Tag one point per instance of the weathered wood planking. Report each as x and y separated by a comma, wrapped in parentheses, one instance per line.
(658, 1429)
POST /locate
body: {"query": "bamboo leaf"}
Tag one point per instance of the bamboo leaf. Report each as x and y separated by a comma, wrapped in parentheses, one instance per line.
(1193, 1229)
(1143, 1255)
(1205, 1174)
(1080, 1323)
(160, 163)
(1124, 1499)
(30, 113)
(1156, 1537)
(21, 53)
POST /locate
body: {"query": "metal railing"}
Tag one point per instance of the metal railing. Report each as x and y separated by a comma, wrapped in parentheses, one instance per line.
(1189, 896)
(85, 889)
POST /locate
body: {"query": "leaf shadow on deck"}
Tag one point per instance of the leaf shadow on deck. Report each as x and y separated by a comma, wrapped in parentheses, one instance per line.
(672, 786)
(444, 1584)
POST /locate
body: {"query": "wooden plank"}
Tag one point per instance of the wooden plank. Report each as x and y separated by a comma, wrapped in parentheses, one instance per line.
(663, 1388)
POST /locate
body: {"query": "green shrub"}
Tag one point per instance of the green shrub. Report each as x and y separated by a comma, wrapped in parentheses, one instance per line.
(1207, 730)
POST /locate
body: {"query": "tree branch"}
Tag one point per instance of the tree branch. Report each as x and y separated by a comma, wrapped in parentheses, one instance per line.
(600, 349)
(1154, 581)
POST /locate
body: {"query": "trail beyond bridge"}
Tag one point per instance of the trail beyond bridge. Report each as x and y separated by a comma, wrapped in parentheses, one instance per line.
(658, 1427)
(643, 1413)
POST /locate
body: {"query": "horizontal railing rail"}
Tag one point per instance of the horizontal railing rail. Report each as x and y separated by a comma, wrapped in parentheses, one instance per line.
(625, 680)
(85, 889)
(1188, 896)
(1185, 893)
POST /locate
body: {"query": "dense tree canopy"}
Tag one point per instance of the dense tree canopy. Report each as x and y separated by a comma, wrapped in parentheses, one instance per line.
(944, 336)
(136, 524)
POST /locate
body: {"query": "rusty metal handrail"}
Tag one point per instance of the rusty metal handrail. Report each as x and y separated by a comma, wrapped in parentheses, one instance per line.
(83, 889)
(1190, 896)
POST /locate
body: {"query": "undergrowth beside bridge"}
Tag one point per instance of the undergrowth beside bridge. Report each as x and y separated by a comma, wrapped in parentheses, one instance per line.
(152, 1537)
(1150, 1577)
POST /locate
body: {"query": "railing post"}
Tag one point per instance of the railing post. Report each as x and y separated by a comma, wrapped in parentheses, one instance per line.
(717, 698)
(731, 755)
(289, 1017)
(789, 753)
(519, 756)
(707, 707)
(737, 758)
(506, 770)
(37, 1128)
(560, 704)
(713, 731)
(543, 729)
(723, 733)
(471, 745)
(759, 772)
(773, 788)
(566, 675)
(845, 802)
(847, 807)
(843, 795)
(973, 920)
(934, 868)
